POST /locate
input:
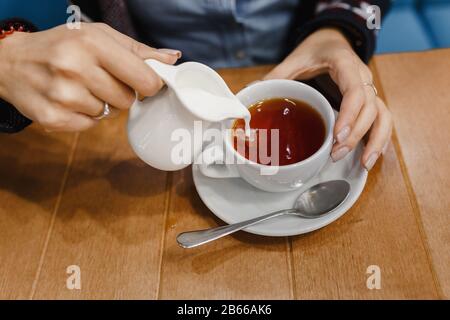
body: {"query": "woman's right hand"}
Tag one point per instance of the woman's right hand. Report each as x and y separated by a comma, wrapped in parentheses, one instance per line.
(61, 78)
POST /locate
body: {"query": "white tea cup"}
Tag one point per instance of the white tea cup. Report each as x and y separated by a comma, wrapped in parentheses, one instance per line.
(264, 177)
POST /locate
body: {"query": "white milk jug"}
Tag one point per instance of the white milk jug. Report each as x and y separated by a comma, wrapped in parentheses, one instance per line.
(194, 93)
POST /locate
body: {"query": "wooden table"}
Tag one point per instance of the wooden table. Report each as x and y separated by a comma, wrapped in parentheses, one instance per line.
(86, 200)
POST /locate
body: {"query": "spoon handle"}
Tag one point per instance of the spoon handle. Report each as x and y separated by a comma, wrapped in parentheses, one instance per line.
(193, 239)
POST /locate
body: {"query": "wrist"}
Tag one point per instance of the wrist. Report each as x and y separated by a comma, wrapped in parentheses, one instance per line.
(9, 32)
(6, 50)
(4, 66)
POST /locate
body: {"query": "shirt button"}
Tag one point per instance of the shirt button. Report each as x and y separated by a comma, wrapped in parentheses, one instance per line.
(240, 54)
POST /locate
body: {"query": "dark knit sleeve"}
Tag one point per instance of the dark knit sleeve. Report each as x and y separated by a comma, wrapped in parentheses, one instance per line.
(350, 16)
(11, 120)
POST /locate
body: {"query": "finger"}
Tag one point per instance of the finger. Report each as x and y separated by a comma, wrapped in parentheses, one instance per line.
(128, 68)
(55, 118)
(74, 96)
(299, 67)
(379, 136)
(346, 74)
(360, 127)
(75, 122)
(169, 56)
(109, 89)
(362, 124)
(284, 70)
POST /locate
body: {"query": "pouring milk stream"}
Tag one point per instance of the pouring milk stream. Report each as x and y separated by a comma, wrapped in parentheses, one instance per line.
(194, 92)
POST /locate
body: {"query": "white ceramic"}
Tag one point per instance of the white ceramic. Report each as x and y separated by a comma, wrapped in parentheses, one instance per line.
(271, 178)
(195, 93)
(234, 200)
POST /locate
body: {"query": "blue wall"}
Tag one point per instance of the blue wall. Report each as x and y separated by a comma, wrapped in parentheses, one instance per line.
(414, 25)
(43, 13)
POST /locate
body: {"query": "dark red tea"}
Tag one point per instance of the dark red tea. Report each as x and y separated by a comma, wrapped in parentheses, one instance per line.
(301, 129)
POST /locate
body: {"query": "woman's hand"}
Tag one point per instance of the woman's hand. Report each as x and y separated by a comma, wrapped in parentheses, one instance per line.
(327, 50)
(61, 78)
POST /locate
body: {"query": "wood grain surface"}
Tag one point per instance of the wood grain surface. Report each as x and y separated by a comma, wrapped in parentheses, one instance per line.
(33, 166)
(417, 89)
(86, 200)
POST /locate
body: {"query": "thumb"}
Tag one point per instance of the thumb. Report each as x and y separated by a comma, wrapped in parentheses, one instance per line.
(296, 67)
(284, 70)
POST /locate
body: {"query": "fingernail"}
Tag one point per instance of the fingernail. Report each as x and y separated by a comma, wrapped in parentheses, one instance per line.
(343, 134)
(172, 52)
(371, 160)
(383, 151)
(340, 154)
(140, 97)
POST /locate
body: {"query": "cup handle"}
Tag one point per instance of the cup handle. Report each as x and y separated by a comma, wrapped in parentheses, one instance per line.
(210, 168)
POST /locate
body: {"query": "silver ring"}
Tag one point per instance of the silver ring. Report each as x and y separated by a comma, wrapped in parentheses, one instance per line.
(106, 112)
(372, 86)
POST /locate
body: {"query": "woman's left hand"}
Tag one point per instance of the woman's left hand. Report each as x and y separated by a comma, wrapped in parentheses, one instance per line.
(327, 50)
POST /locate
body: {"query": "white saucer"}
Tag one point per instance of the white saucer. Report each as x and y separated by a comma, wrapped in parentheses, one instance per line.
(234, 200)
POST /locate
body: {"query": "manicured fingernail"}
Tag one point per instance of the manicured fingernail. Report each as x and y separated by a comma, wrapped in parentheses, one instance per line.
(140, 97)
(371, 160)
(383, 151)
(340, 154)
(343, 134)
(172, 52)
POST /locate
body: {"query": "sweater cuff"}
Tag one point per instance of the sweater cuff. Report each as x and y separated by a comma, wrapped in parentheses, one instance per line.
(11, 120)
(350, 18)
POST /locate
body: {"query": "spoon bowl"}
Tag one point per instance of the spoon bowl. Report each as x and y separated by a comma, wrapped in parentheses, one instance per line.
(322, 198)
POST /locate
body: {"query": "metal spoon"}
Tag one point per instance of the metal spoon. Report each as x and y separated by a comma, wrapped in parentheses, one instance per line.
(315, 202)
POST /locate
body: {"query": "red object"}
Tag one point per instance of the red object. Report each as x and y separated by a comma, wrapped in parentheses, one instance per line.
(11, 28)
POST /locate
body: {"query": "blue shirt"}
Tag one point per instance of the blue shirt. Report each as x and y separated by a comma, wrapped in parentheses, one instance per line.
(219, 33)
